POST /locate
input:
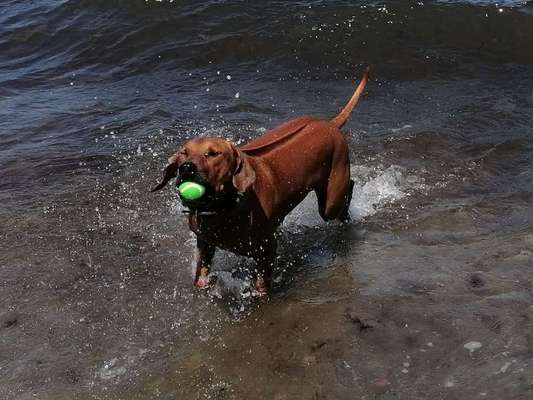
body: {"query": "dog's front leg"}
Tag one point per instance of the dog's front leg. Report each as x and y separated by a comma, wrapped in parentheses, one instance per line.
(205, 254)
(265, 259)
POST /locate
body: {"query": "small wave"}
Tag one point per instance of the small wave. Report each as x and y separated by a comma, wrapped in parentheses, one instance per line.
(377, 188)
(486, 3)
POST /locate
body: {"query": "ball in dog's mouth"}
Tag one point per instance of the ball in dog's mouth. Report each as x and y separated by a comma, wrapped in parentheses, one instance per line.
(191, 190)
(196, 194)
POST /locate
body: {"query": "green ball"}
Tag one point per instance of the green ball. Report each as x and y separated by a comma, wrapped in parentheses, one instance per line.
(191, 190)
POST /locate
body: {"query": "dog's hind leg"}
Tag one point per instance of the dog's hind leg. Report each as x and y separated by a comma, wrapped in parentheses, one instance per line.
(345, 213)
(335, 195)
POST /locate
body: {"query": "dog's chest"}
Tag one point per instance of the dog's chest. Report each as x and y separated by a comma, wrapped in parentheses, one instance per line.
(228, 231)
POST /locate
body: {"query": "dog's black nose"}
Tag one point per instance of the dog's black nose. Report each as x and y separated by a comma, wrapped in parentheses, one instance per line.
(187, 169)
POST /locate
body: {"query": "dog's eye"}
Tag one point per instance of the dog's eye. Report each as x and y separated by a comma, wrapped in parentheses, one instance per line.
(212, 153)
(183, 152)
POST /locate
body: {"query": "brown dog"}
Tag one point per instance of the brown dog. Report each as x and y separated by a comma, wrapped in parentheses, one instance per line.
(250, 189)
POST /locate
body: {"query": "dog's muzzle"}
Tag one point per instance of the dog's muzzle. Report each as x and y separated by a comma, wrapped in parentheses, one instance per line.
(188, 171)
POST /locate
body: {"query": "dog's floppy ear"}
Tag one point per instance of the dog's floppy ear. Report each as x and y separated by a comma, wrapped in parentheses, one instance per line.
(170, 171)
(244, 174)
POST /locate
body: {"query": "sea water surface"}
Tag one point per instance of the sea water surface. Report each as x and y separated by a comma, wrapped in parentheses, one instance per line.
(426, 294)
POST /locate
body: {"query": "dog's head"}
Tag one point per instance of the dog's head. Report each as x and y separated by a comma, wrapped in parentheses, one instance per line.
(215, 163)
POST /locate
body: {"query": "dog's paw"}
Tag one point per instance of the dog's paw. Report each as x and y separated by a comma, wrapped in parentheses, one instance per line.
(261, 288)
(202, 282)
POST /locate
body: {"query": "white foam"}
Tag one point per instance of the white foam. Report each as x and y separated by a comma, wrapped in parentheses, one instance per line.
(375, 188)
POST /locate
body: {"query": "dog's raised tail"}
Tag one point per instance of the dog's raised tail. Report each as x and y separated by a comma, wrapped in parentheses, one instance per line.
(341, 119)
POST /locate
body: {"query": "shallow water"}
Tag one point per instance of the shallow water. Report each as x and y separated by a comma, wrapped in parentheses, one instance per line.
(427, 293)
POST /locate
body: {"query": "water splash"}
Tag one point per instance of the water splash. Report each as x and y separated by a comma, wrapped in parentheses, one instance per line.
(375, 187)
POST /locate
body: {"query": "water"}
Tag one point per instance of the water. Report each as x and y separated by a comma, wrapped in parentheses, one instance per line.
(95, 271)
